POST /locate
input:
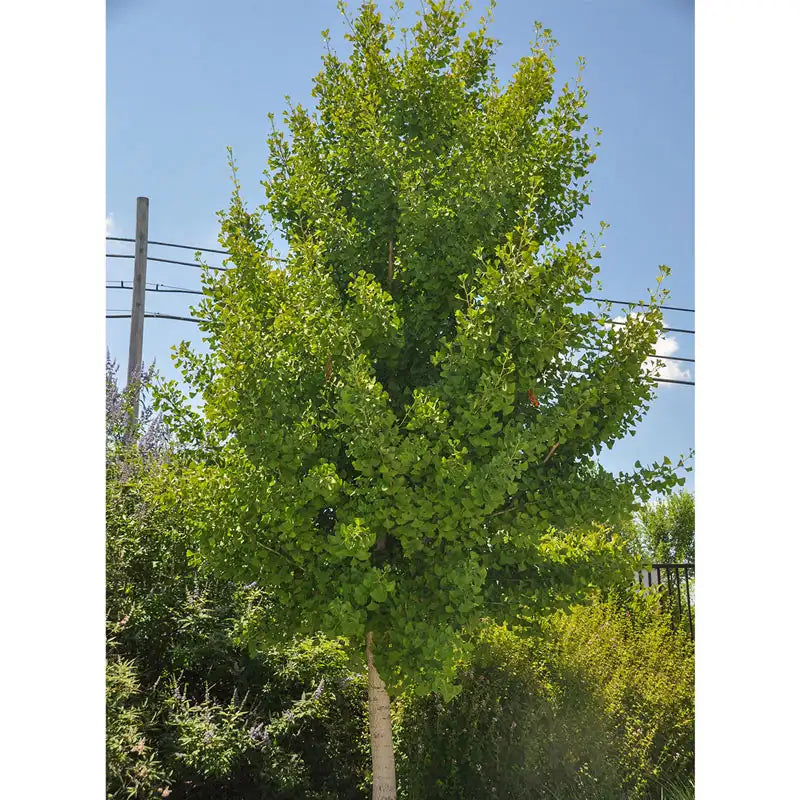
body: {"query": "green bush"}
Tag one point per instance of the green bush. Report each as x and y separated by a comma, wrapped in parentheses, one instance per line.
(600, 706)
(133, 769)
(191, 710)
(642, 676)
(224, 722)
(503, 736)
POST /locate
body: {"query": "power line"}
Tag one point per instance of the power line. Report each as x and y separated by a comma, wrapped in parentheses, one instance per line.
(171, 244)
(187, 264)
(177, 290)
(672, 380)
(673, 358)
(158, 315)
(657, 380)
(645, 305)
(184, 247)
(670, 330)
(155, 315)
(652, 355)
(283, 260)
(169, 286)
(593, 299)
(158, 287)
(170, 261)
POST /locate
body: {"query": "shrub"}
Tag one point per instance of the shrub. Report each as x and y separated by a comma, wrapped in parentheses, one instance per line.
(600, 706)
(642, 676)
(133, 769)
(221, 720)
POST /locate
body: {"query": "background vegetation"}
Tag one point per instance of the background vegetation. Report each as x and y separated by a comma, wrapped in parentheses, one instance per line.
(599, 705)
(664, 530)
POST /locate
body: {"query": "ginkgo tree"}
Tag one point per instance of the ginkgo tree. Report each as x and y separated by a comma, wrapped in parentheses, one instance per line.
(399, 422)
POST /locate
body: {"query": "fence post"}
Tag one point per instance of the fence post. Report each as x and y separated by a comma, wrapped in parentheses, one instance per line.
(137, 306)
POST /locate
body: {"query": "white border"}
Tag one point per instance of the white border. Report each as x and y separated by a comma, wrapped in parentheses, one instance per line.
(747, 404)
(52, 59)
(52, 328)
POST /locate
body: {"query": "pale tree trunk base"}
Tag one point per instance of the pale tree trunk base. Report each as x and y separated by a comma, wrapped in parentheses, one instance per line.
(384, 783)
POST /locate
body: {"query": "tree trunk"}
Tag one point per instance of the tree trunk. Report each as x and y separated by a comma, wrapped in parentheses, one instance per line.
(384, 785)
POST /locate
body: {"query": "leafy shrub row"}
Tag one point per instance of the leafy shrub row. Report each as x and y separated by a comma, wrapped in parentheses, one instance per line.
(191, 712)
(600, 705)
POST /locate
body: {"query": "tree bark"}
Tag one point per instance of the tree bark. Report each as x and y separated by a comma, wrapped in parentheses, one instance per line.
(384, 784)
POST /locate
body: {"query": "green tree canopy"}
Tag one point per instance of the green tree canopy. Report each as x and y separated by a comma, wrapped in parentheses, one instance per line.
(400, 422)
(665, 528)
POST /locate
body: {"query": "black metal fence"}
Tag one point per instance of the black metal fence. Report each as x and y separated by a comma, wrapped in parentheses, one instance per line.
(677, 582)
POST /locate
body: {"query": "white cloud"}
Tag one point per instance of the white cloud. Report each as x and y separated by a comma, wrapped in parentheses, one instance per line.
(671, 370)
(109, 224)
(665, 346)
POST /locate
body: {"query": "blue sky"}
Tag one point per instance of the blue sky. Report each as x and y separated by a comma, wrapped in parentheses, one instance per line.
(186, 79)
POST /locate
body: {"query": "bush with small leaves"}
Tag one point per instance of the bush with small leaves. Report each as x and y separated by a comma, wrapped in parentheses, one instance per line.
(641, 673)
(133, 767)
(194, 708)
(600, 706)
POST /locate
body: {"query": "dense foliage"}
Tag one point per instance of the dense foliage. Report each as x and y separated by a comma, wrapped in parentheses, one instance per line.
(600, 705)
(400, 423)
(191, 711)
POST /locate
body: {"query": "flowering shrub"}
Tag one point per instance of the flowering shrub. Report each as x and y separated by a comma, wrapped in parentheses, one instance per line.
(133, 768)
(192, 711)
(223, 722)
(148, 432)
(210, 737)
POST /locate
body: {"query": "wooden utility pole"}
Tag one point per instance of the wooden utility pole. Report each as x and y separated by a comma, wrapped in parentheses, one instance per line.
(137, 307)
